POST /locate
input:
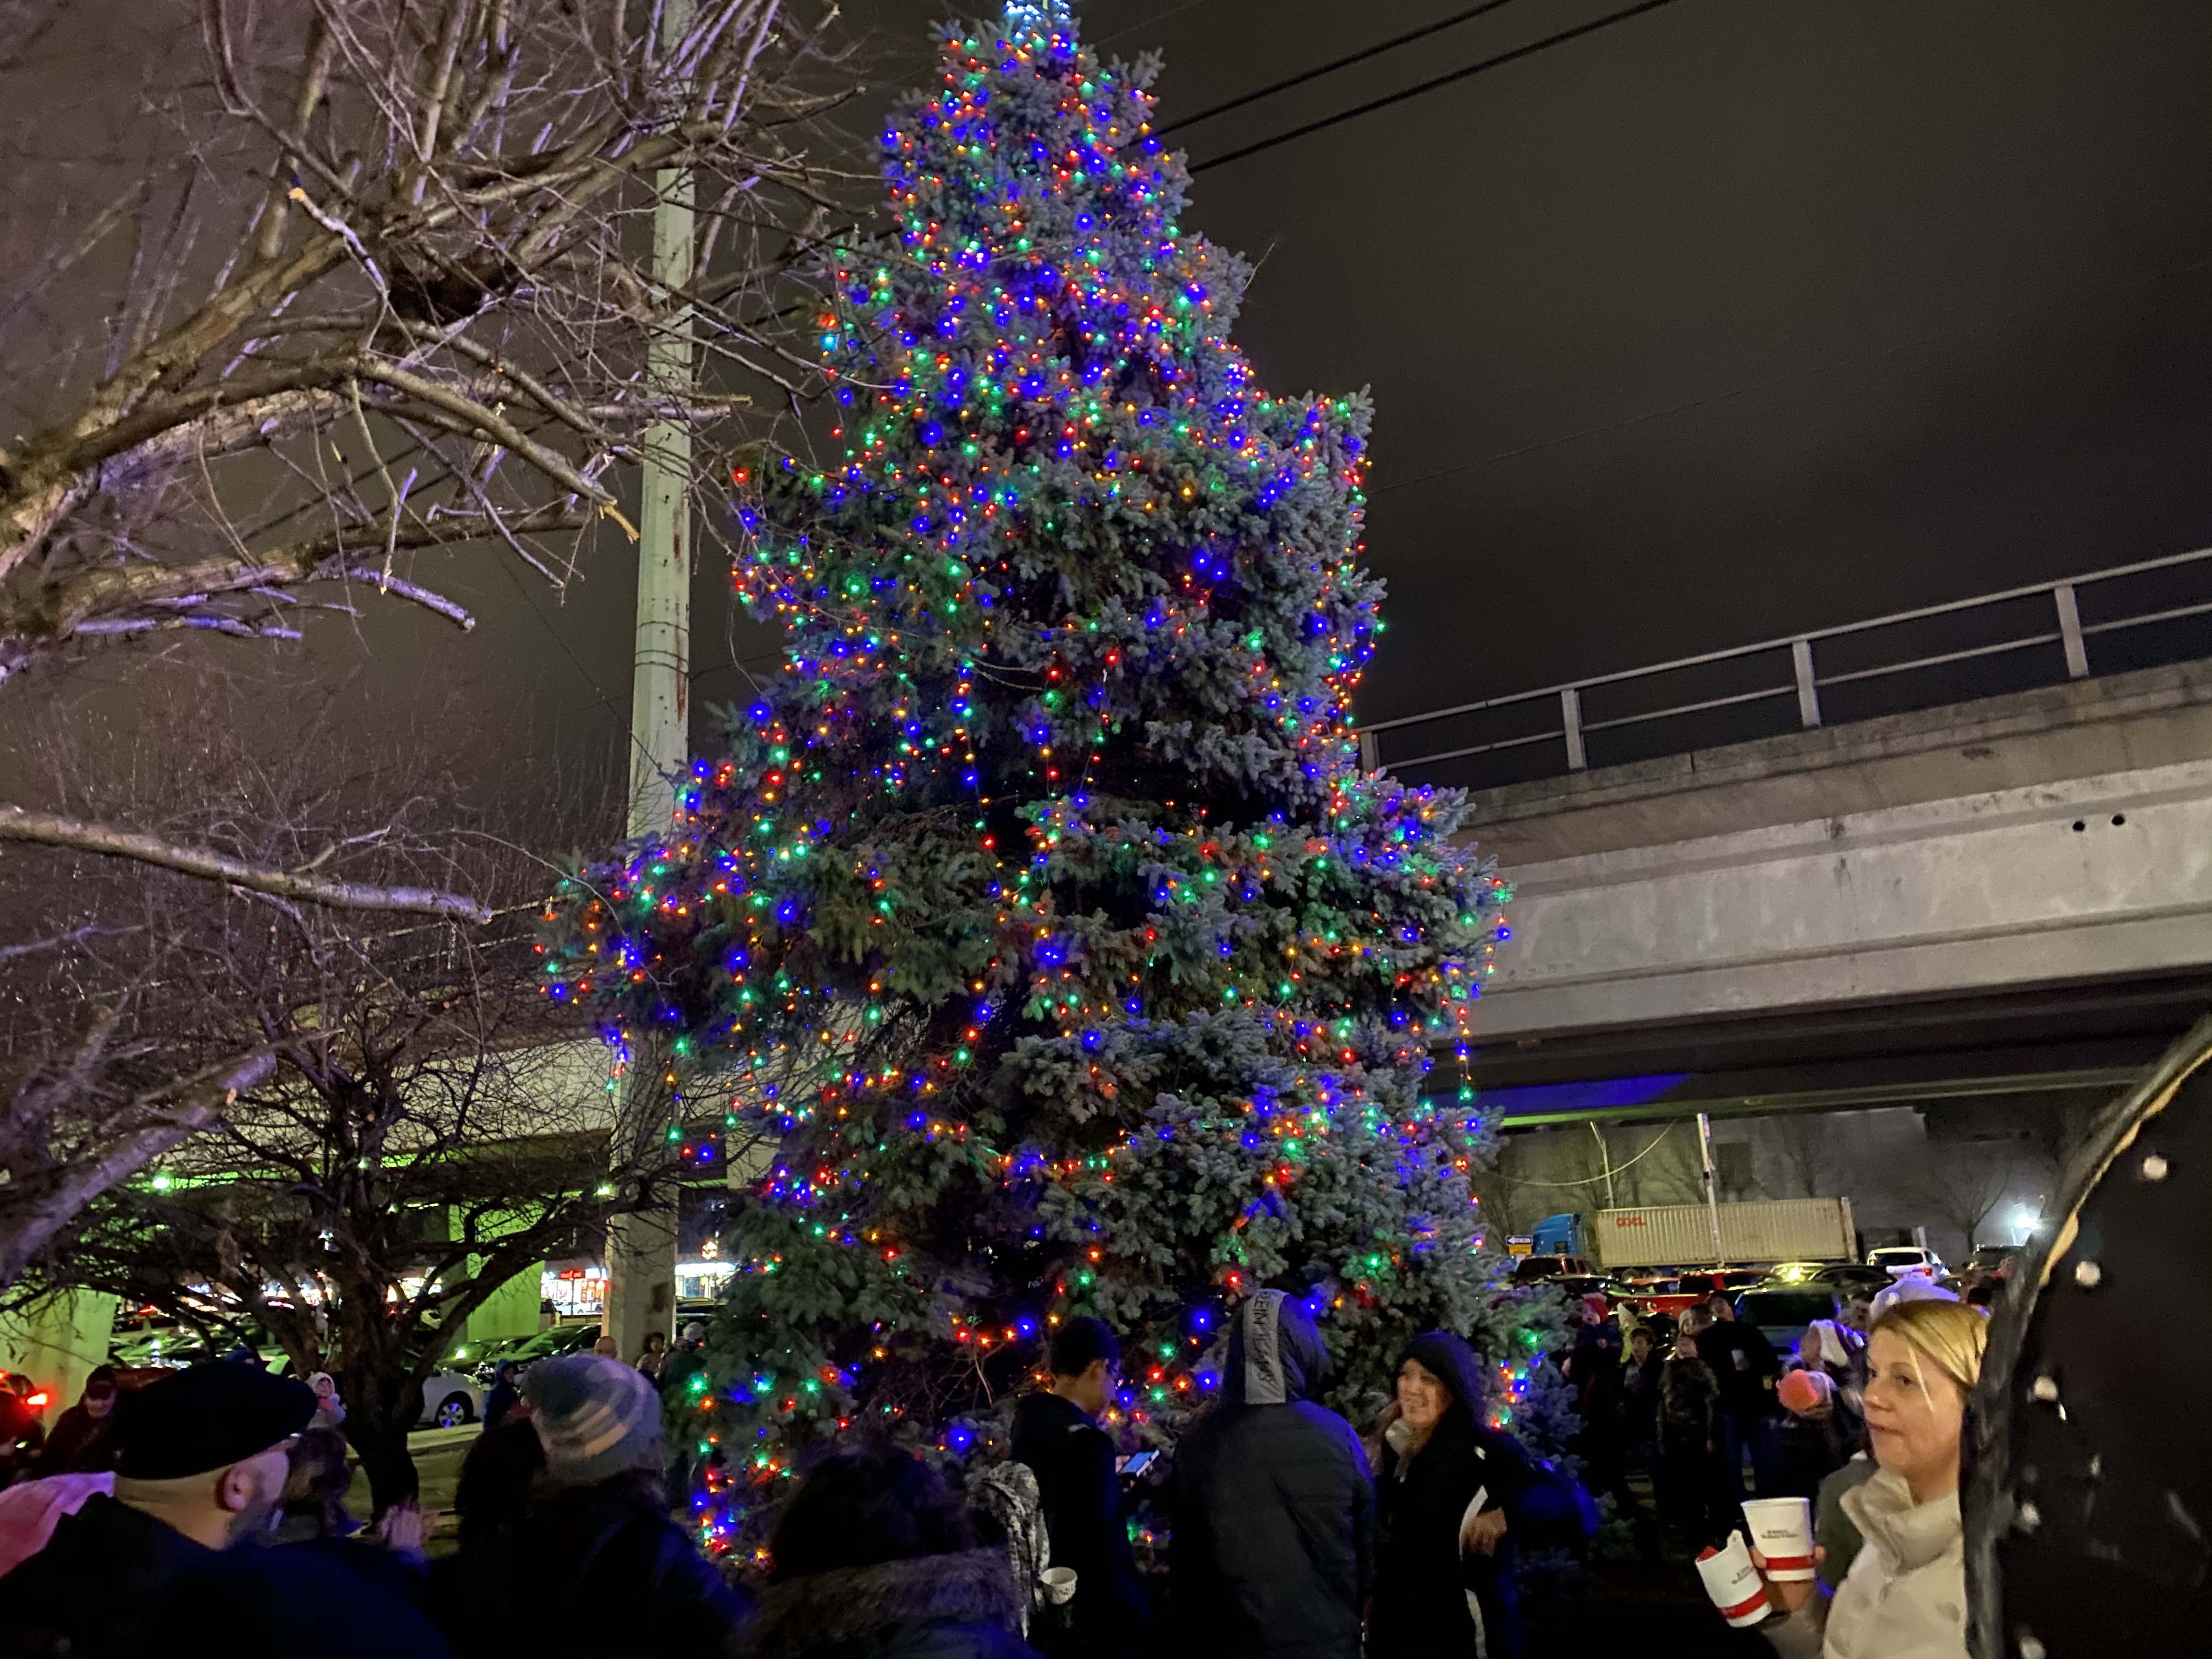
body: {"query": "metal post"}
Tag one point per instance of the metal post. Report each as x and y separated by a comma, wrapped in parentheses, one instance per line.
(1605, 1163)
(1369, 760)
(2069, 632)
(641, 1246)
(1712, 1182)
(1570, 725)
(1809, 692)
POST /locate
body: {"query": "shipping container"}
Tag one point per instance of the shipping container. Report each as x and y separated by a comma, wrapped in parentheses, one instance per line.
(1770, 1231)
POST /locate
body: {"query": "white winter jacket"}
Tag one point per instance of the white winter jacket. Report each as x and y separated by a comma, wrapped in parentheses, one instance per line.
(1905, 1595)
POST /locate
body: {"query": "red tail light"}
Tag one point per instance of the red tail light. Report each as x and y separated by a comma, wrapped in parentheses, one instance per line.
(37, 1402)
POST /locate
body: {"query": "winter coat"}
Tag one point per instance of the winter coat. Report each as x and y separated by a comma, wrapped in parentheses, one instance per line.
(1808, 1450)
(1834, 1532)
(1746, 1363)
(932, 1607)
(113, 1582)
(1905, 1595)
(1431, 1597)
(1273, 1515)
(1639, 1398)
(624, 1572)
(30, 1510)
(80, 1443)
(1689, 1406)
(498, 1400)
(1073, 1461)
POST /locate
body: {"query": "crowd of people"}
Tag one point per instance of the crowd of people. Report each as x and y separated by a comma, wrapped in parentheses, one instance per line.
(1862, 1421)
(215, 1499)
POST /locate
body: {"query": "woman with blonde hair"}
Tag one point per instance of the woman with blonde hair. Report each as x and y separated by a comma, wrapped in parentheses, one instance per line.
(1905, 1595)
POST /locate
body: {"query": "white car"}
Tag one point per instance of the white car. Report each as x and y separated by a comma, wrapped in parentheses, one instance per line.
(450, 1399)
(1898, 1260)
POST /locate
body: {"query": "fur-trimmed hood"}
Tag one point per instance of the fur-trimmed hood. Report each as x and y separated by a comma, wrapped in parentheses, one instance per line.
(851, 1604)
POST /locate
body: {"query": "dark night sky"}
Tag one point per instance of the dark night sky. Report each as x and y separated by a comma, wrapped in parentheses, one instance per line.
(1731, 319)
(1734, 318)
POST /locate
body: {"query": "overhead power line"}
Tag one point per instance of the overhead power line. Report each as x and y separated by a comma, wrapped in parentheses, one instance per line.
(1431, 85)
(1331, 68)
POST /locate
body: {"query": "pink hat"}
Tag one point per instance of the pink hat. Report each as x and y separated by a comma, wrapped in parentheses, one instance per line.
(1805, 1392)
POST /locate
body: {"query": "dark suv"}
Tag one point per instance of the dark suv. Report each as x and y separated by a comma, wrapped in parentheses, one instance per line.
(554, 1339)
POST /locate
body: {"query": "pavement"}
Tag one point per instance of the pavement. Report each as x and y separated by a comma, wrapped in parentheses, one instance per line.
(438, 1454)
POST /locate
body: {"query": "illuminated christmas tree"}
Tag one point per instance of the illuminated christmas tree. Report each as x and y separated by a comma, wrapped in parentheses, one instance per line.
(1040, 907)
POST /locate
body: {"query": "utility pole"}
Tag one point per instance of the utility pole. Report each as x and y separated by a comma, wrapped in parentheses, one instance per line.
(641, 1246)
(1712, 1182)
(1605, 1163)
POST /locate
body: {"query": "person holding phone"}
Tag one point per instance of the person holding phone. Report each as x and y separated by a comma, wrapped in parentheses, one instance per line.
(1056, 1433)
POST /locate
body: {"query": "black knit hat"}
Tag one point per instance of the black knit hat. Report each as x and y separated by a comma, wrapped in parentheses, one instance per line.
(198, 1421)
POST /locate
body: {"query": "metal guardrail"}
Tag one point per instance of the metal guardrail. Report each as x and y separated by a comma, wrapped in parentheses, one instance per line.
(1806, 679)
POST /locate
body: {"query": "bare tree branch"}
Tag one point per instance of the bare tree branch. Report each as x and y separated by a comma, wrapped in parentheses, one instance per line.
(428, 215)
(110, 840)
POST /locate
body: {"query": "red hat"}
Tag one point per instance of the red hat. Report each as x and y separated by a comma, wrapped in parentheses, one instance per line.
(1805, 1392)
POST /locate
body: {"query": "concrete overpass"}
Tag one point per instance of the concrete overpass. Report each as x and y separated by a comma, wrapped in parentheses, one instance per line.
(2053, 837)
(1984, 899)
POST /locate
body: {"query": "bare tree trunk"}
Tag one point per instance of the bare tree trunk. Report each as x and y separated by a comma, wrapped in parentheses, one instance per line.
(381, 1411)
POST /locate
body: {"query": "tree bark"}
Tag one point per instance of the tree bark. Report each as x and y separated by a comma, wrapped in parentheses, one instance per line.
(384, 1458)
(381, 1411)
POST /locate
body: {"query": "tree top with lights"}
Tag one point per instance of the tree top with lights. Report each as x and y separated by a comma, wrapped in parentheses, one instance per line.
(1039, 906)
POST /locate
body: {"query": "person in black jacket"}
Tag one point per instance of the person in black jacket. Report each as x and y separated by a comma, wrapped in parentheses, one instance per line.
(1271, 1548)
(1447, 1491)
(1640, 1397)
(877, 1559)
(1057, 1434)
(501, 1397)
(83, 1437)
(598, 1528)
(1747, 1368)
(1692, 1494)
(174, 1561)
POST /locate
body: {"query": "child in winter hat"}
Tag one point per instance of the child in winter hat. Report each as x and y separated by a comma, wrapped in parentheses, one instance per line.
(596, 1416)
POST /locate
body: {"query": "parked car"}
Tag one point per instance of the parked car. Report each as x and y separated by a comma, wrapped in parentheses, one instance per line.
(1536, 1269)
(1794, 1272)
(1783, 1312)
(470, 1356)
(1994, 1260)
(554, 1339)
(1850, 1278)
(174, 1348)
(450, 1399)
(1607, 1291)
(1898, 1260)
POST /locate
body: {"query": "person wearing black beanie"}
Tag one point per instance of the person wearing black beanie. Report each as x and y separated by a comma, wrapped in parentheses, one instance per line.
(174, 1558)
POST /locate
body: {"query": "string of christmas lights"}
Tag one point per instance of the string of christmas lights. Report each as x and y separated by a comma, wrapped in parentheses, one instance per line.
(1039, 910)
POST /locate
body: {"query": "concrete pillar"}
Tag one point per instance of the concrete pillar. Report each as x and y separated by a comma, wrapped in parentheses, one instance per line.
(641, 1249)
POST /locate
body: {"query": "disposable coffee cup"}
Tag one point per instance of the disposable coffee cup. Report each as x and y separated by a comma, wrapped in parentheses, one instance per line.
(1059, 1585)
(1732, 1582)
(1782, 1531)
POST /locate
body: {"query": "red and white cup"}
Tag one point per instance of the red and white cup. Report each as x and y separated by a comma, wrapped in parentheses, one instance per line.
(1782, 1531)
(1733, 1583)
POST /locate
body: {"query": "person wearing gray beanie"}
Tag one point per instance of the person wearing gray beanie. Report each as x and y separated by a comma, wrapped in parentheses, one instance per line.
(596, 1418)
(598, 1526)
